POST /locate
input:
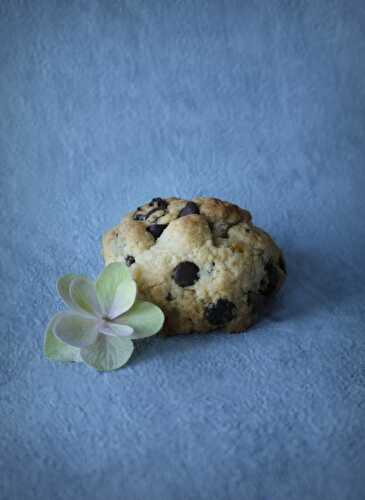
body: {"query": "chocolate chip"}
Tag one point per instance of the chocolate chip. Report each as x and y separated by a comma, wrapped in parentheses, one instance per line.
(223, 311)
(256, 301)
(282, 264)
(139, 217)
(271, 280)
(161, 203)
(169, 297)
(189, 209)
(186, 273)
(129, 260)
(156, 229)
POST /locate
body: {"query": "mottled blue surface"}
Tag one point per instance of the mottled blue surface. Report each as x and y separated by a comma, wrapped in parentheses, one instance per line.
(105, 104)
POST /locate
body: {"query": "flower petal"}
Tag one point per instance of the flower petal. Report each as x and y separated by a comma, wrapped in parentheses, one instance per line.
(124, 299)
(75, 329)
(83, 295)
(63, 288)
(114, 329)
(57, 350)
(107, 353)
(145, 318)
(115, 290)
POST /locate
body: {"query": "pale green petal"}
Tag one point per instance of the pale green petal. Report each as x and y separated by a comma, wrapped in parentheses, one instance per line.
(63, 287)
(124, 299)
(75, 329)
(57, 350)
(115, 289)
(114, 329)
(83, 295)
(145, 318)
(107, 353)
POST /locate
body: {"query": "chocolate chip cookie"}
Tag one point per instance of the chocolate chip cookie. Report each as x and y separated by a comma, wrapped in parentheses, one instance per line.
(202, 261)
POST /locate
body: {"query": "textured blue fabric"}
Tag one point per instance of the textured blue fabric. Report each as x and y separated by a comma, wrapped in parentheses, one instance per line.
(106, 104)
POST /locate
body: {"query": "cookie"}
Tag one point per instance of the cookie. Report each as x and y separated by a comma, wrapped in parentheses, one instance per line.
(202, 261)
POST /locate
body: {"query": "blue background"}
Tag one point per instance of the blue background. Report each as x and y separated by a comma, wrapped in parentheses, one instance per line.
(106, 104)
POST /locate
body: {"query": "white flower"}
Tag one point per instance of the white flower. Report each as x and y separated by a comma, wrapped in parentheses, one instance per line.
(106, 316)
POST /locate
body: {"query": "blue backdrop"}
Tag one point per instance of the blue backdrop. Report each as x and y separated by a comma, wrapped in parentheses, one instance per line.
(106, 104)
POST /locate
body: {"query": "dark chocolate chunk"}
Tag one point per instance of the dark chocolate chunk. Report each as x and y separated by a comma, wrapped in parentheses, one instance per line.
(129, 260)
(271, 280)
(189, 209)
(161, 203)
(282, 264)
(156, 229)
(186, 273)
(256, 301)
(223, 311)
(139, 216)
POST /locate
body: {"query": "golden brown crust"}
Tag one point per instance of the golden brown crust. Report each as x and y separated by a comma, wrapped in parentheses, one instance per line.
(218, 210)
